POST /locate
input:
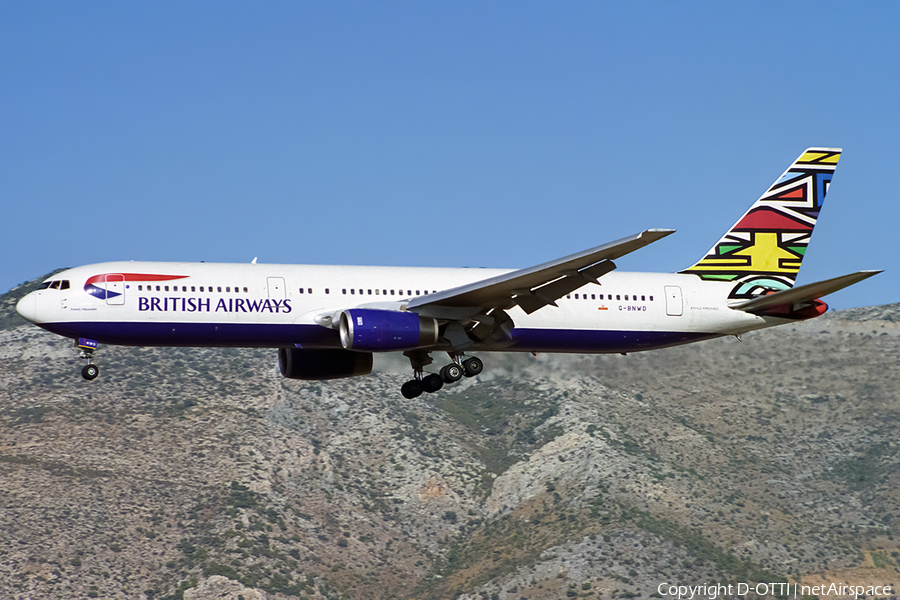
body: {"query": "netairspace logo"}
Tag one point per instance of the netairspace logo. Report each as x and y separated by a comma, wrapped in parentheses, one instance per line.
(778, 589)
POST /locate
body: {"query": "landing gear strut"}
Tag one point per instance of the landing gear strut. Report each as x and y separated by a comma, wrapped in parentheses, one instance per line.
(87, 347)
(451, 373)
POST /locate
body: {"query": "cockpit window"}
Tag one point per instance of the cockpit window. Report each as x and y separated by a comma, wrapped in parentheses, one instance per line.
(54, 285)
(64, 285)
(57, 284)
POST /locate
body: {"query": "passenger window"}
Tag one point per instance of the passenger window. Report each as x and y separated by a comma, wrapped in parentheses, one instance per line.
(327, 291)
(309, 290)
(643, 298)
(193, 288)
(301, 290)
(219, 289)
(618, 297)
(352, 291)
(392, 292)
(651, 298)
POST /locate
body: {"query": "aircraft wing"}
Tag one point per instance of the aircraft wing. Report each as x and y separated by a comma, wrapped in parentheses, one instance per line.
(803, 293)
(534, 287)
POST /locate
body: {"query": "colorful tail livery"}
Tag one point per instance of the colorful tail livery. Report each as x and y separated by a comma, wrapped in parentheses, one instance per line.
(764, 249)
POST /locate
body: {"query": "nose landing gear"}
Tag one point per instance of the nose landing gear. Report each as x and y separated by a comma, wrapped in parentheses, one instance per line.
(449, 374)
(90, 372)
(87, 347)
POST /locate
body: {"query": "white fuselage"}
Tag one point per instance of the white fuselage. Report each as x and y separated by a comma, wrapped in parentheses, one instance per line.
(268, 305)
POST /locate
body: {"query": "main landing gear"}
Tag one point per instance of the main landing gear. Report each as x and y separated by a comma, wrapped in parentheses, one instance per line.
(87, 347)
(451, 373)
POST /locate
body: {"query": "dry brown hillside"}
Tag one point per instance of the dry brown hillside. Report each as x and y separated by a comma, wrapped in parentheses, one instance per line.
(202, 473)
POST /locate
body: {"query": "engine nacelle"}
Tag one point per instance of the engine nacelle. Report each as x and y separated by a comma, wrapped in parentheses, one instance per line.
(374, 330)
(297, 363)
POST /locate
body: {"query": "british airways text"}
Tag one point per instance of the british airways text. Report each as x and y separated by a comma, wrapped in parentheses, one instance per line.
(231, 305)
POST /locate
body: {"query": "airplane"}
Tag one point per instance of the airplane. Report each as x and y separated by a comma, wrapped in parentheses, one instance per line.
(327, 321)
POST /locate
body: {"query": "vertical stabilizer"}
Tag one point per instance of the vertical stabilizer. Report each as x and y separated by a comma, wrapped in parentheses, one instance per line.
(764, 249)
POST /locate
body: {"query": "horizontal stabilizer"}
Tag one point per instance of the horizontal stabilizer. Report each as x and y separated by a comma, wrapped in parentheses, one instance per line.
(803, 293)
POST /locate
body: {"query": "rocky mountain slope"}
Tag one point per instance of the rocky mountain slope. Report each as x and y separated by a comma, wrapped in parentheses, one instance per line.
(201, 473)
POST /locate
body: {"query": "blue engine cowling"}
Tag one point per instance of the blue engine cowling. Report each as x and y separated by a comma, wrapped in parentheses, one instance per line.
(373, 330)
(328, 363)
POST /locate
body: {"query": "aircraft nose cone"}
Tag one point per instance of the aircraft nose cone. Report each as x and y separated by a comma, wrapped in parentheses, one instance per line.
(27, 307)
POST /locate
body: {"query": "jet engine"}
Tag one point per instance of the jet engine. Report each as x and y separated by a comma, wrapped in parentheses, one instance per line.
(374, 330)
(297, 363)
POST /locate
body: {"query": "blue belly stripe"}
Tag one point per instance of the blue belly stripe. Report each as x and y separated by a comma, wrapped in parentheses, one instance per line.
(256, 335)
(599, 340)
(224, 335)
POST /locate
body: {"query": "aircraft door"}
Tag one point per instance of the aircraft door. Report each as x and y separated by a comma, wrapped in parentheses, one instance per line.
(276, 288)
(674, 301)
(115, 289)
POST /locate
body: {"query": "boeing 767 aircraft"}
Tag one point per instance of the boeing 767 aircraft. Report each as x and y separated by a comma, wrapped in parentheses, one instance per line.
(327, 321)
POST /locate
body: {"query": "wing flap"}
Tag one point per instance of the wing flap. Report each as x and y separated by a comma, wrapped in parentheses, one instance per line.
(547, 295)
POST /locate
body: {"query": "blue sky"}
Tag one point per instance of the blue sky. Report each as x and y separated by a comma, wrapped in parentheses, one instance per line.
(498, 134)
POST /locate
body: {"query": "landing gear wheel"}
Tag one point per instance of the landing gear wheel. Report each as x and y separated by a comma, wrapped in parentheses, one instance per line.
(90, 372)
(432, 383)
(451, 373)
(411, 389)
(473, 366)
